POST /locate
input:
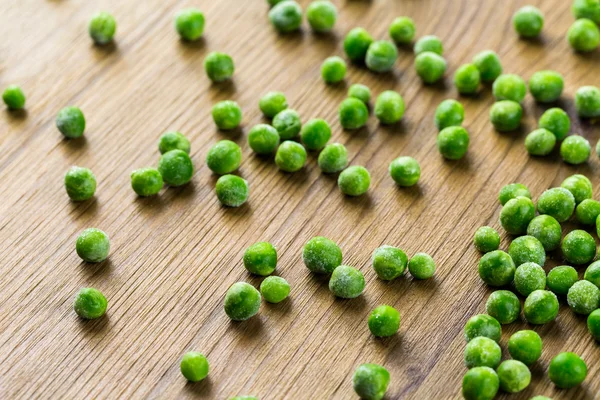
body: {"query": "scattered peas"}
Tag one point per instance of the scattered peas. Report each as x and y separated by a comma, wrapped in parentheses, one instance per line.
(567, 370)
(219, 66)
(288, 124)
(275, 289)
(540, 142)
(346, 282)
(402, 30)
(260, 258)
(405, 171)
(421, 266)
(315, 134)
(506, 115)
(449, 113)
(556, 121)
(583, 297)
(480, 383)
(370, 381)
(333, 158)
(92, 245)
(575, 149)
(194, 366)
(593, 324)
(102, 28)
(529, 277)
(430, 66)
(584, 35)
(453, 142)
(558, 203)
(389, 107)
(353, 113)
(272, 104)
(361, 92)
(389, 262)
(503, 305)
(384, 321)
(512, 191)
(482, 325)
(509, 87)
(547, 230)
(354, 180)
(580, 186)
(560, 279)
(592, 273)
(516, 215)
(263, 139)
(496, 268)
(429, 43)
(173, 141)
(467, 79)
(528, 21)
(540, 307)
(381, 56)
(321, 255)
(176, 167)
(290, 156)
(146, 181)
(321, 15)
(546, 86)
(224, 157)
(80, 183)
(189, 24)
(357, 43)
(525, 346)
(486, 239)
(482, 352)
(578, 247)
(489, 65)
(587, 211)
(13, 97)
(514, 376)
(242, 301)
(70, 122)
(231, 190)
(286, 16)
(227, 114)
(333, 69)
(526, 249)
(90, 303)
(587, 102)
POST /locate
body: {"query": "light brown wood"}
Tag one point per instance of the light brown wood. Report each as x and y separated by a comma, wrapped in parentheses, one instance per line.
(174, 256)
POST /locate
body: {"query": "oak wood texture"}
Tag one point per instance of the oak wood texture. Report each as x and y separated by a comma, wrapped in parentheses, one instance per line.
(174, 256)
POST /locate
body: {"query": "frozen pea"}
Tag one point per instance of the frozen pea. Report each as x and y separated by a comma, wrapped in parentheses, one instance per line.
(227, 114)
(333, 158)
(430, 67)
(102, 28)
(482, 352)
(512, 191)
(593, 324)
(558, 203)
(384, 321)
(429, 43)
(288, 124)
(389, 107)
(275, 289)
(286, 16)
(321, 15)
(231, 190)
(346, 282)
(13, 97)
(480, 383)
(321, 255)
(467, 79)
(486, 239)
(547, 230)
(405, 171)
(586, 9)
(194, 366)
(146, 181)
(496, 268)
(361, 92)
(516, 215)
(526, 249)
(528, 21)
(70, 122)
(263, 139)
(92, 245)
(176, 167)
(529, 277)
(315, 134)
(546, 86)
(354, 180)
(333, 69)
(242, 301)
(224, 157)
(514, 376)
(556, 121)
(489, 65)
(575, 149)
(540, 142)
(370, 381)
(272, 104)
(567, 370)
(503, 305)
(219, 66)
(356, 44)
(260, 259)
(80, 183)
(540, 307)
(449, 113)
(290, 156)
(421, 266)
(389, 262)
(173, 140)
(584, 35)
(90, 303)
(587, 211)
(578, 247)
(509, 87)
(587, 102)
(592, 273)
(525, 346)
(506, 115)
(381, 56)
(561, 278)
(583, 297)
(482, 325)
(580, 186)
(402, 30)
(453, 142)
(189, 24)
(353, 113)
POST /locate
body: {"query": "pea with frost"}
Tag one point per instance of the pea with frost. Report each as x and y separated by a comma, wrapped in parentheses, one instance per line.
(389, 262)
(224, 157)
(189, 24)
(173, 140)
(227, 115)
(529, 277)
(449, 113)
(429, 43)
(579, 186)
(370, 381)
(333, 158)
(402, 30)
(480, 383)
(528, 21)
(102, 28)
(361, 92)
(231, 190)
(354, 180)
(13, 97)
(546, 86)
(430, 67)
(194, 366)
(242, 301)
(353, 114)
(496, 268)
(389, 107)
(509, 87)
(506, 115)
(540, 142)
(290, 156)
(584, 35)
(275, 289)
(321, 255)
(287, 123)
(421, 266)
(467, 79)
(70, 122)
(482, 352)
(511, 191)
(80, 183)
(315, 134)
(525, 346)
(333, 69)
(583, 297)
(516, 215)
(346, 282)
(356, 44)
(263, 139)
(547, 230)
(260, 258)
(381, 56)
(489, 65)
(90, 303)
(514, 376)
(384, 321)
(92, 245)
(556, 121)
(286, 16)
(526, 249)
(592, 273)
(405, 171)
(146, 181)
(503, 305)
(486, 239)
(561, 278)
(482, 325)
(578, 247)
(176, 168)
(575, 149)
(587, 102)
(541, 307)
(219, 66)
(558, 203)
(453, 142)
(321, 15)
(272, 104)
(587, 211)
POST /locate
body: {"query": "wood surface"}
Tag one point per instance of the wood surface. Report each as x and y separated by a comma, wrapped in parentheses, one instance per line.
(174, 256)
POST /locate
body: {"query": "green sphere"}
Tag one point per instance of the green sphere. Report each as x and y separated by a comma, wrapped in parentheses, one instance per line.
(558, 203)
(353, 113)
(321, 15)
(489, 65)
(224, 157)
(370, 381)
(90, 303)
(219, 66)
(516, 215)
(275, 289)
(13, 97)
(547, 230)
(260, 259)
(389, 107)
(321, 255)
(587, 211)
(290, 156)
(529, 277)
(389, 262)
(561, 278)
(486, 239)
(381, 56)
(315, 134)
(429, 43)
(578, 247)
(592, 273)
(482, 352)
(449, 113)
(593, 324)
(580, 186)
(509, 87)
(467, 79)
(453, 142)
(512, 191)
(272, 104)
(346, 282)
(80, 183)
(556, 121)
(567, 370)
(354, 180)
(540, 307)
(146, 181)
(102, 28)
(333, 158)
(231, 190)
(402, 30)
(70, 122)
(173, 141)
(546, 86)
(586, 9)
(194, 366)
(525, 346)
(361, 92)
(525, 249)
(384, 321)
(540, 142)
(506, 115)
(333, 69)
(575, 149)
(189, 24)
(430, 67)
(528, 21)
(587, 102)
(514, 376)
(286, 16)
(287, 123)
(583, 297)
(227, 115)
(263, 139)
(503, 305)
(242, 301)
(496, 268)
(482, 325)
(584, 35)
(356, 44)
(480, 383)
(421, 266)
(405, 171)
(92, 245)
(176, 167)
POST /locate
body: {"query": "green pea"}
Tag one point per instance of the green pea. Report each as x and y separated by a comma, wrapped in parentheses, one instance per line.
(176, 167)
(482, 352)
(354, 180)
(381, 56)
(587, 102)
(421, 266)
(578, 247)
(290, 156)
(540, 142)
(586, 9)
(194, 366)
(489, 65)
(482, 325)
(321, 255)
(333, 69)
(315, 134)
(580, 186)
(430, 67)
(102, 28)
(583, 297)
(526, 249)
(509, 87)
(514, 376)
(429, 43)
(556, 121)
(405, 171)
(389, 107)
(496, 268)
(353, 113)
(260, 258)
(584, 35)
(189, 24)
(467, 79)
(560, 279)
(92, 245)
(506, 115)
(361, 92)
(512, 191)
(227, 114)
(587, 211)
(516, 215)
(480, 383)
(70, 122)
(453, 142)
(146, 181)
(219, 67)
(547, 230)
(321, 15)
(558, 203)
(173, 141)
(593, 324)
(528, 21)
(275, 289)
(529, 277)
(90, 303)
(525, 346)
(546, 86)
(80, 183)
(449, 113)
(356, 44)
(486, 239)
(346, 282)
(389, 262)
(540, 307)
(231, 190)
(575, 149)
(333, 158)
(288, 124)
(286, 16)
(13, 97)
(242, 301)
(592, 273)
(224, 157)
(263, 139)
(384, 321)
(402, 30)
(370, 381)
(503, 305)
(567, 370)
(272, 104)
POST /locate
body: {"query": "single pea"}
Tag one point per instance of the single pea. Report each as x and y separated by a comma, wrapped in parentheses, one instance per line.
(92, 245)
(176, 167)
(586, 9)
(480, 383)
(453, 142)
(321, 255)
(583, 297)
(467, 79)
(218, 66)
(558, 203)
(584, 35)
(80, 183)
(547, 230)
(540, 307)
(102, 28)
(556, 121)
(506, 115)
(321, 15)
(482, 352)
(509, 87)
(389, 107)
(503, 305)
(286, 16)
(514, 376)
(260, 258)
(384, 321)
(486, 239)
(242, 301)
(575, 149)
(516, 215)
(512, 191)
(346, 282)
(315, 134)
(587, 102)
(526, 249)
(593, 324)
(275, 289)
(353, 113)
(381, 56)
(224, 157)
(430, 67)
(580, 186)
(194, 366)
(189, 24)
(496, 268)
(333, 69)
(489, 65)
(402, 30)
(13, 97)
(173, 141)
(356, 44)
(354, 180)
(263, 139)
(540, 142)
(70, 122)
(146, 181)
(421, 266)
(449, 113)
(546, 86)
(389, 262)
(529, 277)
(290, 156)
(333, 158)
(288, 124)
(227, 114)
(578, 247)
(370, 381)
(361, 92)
(231, 190)
(525, 346)
(528, 21)
(405, 171)
(90, 303)
(587, 211)
(272, 104)
(429, 43)
(482, 325)
(567, 370)
(592, 273)
(561, 278)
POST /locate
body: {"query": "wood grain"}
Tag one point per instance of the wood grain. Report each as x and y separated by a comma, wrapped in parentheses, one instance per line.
(174, 256)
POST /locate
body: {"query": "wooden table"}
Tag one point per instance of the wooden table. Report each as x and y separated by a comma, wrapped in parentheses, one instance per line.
(174, 256)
